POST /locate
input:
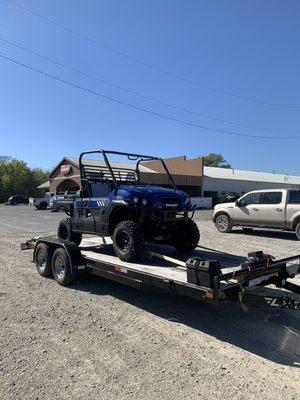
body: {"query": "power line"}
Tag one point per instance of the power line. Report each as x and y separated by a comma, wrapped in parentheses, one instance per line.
(148, 65)
(144, 110)
(140, 94)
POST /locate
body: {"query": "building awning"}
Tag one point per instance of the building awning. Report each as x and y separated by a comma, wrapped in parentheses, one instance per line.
(44, 185)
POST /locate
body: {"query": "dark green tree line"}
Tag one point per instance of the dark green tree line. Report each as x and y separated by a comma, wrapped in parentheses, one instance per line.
(17, 178)
(215, 160)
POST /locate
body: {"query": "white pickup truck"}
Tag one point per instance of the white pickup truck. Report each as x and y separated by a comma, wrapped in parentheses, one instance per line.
(273, 208)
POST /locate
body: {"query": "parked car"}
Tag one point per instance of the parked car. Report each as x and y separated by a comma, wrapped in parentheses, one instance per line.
(60, 200)
(41, 203)
(17, 199)
(276, 209)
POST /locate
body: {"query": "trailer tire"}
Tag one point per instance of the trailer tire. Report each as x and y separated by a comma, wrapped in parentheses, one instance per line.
(186, 236)
(223, 223)
(128, 240)
(61, 268)
(66, 233)
(297, 230)
(43, 259)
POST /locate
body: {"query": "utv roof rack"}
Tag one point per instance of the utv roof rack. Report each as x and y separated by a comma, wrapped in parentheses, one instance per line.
(100, 173)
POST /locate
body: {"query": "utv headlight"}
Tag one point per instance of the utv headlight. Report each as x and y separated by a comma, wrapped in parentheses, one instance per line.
(144, 202)
(135, 199)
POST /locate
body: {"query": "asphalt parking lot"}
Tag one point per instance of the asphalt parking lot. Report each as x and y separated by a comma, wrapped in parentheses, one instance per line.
(22, 220)
(25, 219)
(101, 340)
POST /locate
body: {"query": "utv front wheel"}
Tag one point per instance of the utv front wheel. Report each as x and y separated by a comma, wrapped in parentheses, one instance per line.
(128, 240)
(186, 236)
(66, 233)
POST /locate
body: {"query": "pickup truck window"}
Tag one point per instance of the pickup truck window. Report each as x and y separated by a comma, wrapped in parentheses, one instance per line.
(294, 197)
(251, 198)
(272, 198)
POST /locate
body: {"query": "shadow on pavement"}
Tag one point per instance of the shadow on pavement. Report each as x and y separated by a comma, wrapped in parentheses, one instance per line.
(267, 234)
(269, 333)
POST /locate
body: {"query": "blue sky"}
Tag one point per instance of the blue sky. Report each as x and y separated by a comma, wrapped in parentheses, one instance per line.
(248, 48)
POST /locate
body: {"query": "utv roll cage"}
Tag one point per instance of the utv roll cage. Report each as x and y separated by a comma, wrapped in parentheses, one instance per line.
(90, 172)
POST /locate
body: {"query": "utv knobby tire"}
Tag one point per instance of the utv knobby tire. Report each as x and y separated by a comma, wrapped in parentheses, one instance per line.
(186, 236)
(43, 259)
(128, 240)
(66, 233)
(297, 230)
(61, 268)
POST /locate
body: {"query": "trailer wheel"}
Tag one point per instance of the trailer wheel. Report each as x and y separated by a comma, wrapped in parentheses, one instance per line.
(186, 236)
(66, 233)
(128, 240)
(43, 258)
(223, 223)
(61, 267)
(297, 230)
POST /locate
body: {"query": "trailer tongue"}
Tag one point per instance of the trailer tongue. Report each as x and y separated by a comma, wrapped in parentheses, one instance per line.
(259, 280)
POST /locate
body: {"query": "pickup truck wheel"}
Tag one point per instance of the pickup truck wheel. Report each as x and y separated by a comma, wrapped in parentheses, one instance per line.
(128, 240)
(43, 258)
(297, 230)
(66, 233)
(223, 223)
(61, 268)
(186, 236)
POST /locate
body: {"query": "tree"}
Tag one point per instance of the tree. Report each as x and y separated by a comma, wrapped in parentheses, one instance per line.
(17, 178)
(215, 160)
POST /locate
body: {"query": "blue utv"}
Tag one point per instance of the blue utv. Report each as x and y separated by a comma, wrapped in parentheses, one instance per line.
(113, 202)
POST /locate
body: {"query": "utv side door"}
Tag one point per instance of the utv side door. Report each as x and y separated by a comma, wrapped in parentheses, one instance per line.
(90, 212)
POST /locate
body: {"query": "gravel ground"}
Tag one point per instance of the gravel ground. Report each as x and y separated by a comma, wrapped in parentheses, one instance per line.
(101, 340)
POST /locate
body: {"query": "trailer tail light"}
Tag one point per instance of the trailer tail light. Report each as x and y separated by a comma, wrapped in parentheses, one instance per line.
(120, 269)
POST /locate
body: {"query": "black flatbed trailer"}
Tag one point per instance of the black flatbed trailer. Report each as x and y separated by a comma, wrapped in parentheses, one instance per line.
(259, 280)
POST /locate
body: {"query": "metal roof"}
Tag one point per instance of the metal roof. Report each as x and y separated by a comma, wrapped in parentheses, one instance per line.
(242, 175)
(44, 185)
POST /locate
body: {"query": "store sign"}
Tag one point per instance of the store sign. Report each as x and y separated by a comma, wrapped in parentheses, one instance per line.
(65, 169)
